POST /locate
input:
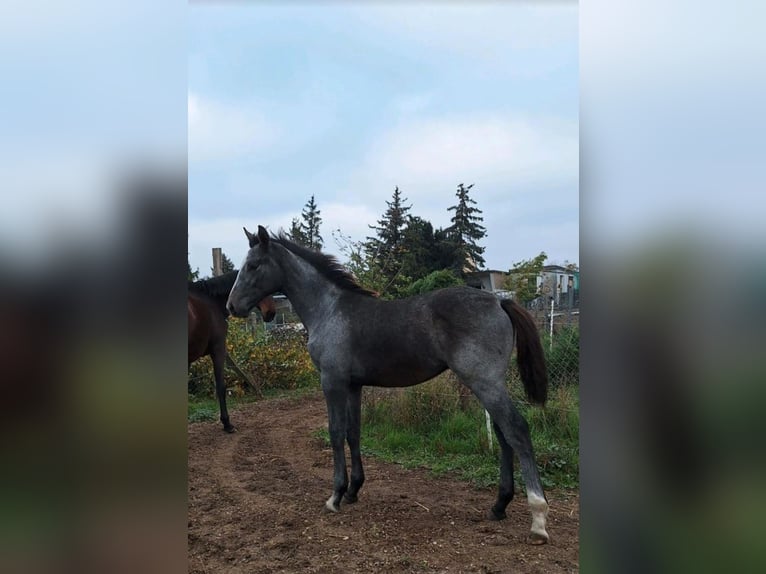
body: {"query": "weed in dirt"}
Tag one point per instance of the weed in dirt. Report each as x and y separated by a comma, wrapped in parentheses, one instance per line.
(204, 409)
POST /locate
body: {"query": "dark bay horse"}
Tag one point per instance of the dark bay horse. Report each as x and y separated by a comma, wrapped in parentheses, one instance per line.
(208, 327)
(356, 339)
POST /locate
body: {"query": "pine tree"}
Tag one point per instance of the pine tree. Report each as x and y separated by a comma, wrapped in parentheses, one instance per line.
(296, 233)
(309, 227)
(389, 229)
(387, 244)
(466, 231)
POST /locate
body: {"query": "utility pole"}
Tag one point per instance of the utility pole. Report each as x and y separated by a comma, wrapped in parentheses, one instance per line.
(217, 267)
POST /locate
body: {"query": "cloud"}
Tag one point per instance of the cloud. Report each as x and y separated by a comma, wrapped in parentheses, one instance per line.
(429, 156)
(481, 31)
(353, 219)
(525, 170)
(226, 233)
(225, 131)
(412, 103)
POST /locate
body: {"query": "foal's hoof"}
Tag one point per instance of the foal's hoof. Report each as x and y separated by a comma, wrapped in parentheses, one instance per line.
(492, 515)
(230, 429)
(330, 505)
(350, 498)
(538, 538)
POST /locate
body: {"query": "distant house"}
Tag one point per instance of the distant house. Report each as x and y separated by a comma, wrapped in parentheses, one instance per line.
(561, 283)
(490, 280)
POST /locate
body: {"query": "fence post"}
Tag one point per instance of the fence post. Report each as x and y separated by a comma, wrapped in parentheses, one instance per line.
(553, 305)
(489, 430)
(217, 266)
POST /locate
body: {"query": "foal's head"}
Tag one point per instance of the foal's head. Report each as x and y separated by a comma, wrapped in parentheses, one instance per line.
(259, 275)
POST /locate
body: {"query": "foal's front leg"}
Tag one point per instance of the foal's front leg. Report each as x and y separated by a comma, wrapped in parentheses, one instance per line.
(336, 396)
(353, 430)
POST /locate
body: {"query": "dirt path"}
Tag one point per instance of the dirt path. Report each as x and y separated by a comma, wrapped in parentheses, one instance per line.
(256, 505)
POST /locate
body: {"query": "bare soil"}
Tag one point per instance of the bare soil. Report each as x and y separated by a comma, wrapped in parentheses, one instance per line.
(256, 504)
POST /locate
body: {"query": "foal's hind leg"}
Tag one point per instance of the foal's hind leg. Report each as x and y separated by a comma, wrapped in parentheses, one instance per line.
(353, 430)
(515, 431)
(218, 357)
(505, 490)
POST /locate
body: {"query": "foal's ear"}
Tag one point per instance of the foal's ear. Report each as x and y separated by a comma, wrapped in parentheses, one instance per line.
(263, 236)
(251, 239)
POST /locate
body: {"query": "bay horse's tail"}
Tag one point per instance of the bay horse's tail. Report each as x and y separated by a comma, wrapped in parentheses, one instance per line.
(529, 352)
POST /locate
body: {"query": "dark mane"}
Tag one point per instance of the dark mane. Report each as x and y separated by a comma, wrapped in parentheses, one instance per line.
(215, 287)
(327, 265)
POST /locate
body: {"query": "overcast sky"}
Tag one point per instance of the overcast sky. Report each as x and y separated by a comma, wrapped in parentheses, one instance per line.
(345, 102)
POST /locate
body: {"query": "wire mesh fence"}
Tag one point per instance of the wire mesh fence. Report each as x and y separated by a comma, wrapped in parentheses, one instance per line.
(559, 329)
(555, 428)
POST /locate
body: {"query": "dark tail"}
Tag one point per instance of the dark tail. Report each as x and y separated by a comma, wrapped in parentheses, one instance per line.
(529, 352)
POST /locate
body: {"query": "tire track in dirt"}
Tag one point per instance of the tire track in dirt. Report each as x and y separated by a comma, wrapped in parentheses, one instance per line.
(256, 505)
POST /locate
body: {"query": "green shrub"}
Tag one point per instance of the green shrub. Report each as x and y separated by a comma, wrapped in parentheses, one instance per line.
(432, 281)
(276, 359)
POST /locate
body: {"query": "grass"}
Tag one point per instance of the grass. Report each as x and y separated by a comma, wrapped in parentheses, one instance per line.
(440, 453)
(555, 432)
(423, 429)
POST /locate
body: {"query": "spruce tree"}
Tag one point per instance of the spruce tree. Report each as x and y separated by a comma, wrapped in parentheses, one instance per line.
(296, 233)
(389, 229)
(465, 231)
(387, 244)
(310, 225)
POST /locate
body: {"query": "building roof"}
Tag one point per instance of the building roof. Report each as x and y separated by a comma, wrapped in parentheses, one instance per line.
(487, 271)
(559, 268)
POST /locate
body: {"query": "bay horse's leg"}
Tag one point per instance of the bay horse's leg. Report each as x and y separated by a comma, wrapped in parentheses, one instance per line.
(336, 398)
(218, 356)
(505, 490)
(353, 430)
